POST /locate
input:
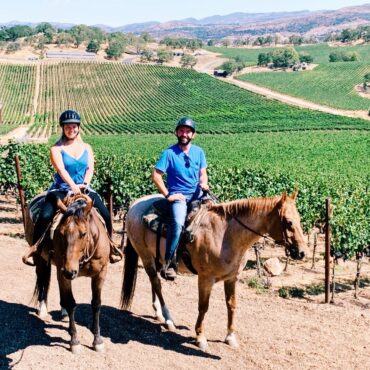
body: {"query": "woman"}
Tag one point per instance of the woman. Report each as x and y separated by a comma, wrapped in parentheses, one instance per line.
(73, 161)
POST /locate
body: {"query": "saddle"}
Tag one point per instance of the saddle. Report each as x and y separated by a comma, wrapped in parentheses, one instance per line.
(157, 218)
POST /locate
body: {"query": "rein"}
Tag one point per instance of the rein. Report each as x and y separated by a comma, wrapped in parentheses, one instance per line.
(87, 257)
(264, 236)
(282, 243)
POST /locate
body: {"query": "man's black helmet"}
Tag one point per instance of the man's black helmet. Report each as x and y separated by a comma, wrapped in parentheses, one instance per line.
(69, 116)
(187, 122)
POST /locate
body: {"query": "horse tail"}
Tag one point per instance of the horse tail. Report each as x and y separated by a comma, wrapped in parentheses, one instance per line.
(43, 273)
(129, 275)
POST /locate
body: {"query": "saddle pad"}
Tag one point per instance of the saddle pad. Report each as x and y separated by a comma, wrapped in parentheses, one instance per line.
(36, 205)
(153, 220)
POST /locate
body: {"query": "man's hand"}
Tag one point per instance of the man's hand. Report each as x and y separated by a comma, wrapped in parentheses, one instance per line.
(174, 197)
(204, 187)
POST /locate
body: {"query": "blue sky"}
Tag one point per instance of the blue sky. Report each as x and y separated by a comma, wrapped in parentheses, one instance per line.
(121, 12)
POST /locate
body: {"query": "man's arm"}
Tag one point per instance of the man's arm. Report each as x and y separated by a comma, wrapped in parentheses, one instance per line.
(203, 179)
(159, 183)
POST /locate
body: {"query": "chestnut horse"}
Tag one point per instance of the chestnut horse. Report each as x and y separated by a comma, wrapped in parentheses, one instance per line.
(80, 247)
(218, 250)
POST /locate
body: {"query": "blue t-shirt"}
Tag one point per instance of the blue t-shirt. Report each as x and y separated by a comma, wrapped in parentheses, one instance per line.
(182, 169)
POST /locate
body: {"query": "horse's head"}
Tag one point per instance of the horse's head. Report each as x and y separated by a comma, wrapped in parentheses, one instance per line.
(72, 234)
(288, 229)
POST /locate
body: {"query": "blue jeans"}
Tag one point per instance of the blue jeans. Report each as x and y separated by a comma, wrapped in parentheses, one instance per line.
(178, 216)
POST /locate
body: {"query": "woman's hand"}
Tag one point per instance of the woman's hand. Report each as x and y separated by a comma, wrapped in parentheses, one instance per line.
(75, 189)
(177, 196)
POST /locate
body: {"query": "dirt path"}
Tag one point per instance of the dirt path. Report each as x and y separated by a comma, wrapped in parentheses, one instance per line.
(273, 333)
(297, 102)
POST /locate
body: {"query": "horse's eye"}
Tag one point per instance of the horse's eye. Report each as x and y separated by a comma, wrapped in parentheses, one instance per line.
(289, 224)
(83, 234)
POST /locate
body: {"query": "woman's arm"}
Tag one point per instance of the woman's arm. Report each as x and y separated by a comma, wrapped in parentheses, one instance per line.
(57, 162)
(90, 169)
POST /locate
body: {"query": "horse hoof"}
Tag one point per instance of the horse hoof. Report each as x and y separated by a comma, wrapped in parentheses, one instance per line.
(76, 349)
(231, 341)
(99, 347)
(202, 344)
(170, 325)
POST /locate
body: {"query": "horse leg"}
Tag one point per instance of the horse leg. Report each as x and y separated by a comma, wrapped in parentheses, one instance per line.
(68, 302)
(230, 297)
(96, 287)
(157, 296)
(204, 290)
(157, 307)
(43, 273)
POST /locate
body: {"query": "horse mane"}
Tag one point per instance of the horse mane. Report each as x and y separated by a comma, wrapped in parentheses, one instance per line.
(75, 209)
(244, 207)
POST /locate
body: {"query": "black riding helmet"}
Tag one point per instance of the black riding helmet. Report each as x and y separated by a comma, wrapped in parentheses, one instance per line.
(69, 116)
(186, 122)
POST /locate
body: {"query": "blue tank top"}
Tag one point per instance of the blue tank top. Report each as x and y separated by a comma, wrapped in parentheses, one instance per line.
(76, 168)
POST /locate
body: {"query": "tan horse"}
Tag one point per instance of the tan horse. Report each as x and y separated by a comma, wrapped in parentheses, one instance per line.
(80, 247)
(218, 250)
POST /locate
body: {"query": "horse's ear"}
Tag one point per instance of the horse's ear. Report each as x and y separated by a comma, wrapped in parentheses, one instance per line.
(283, 197)
(294, 194)
(61, 206)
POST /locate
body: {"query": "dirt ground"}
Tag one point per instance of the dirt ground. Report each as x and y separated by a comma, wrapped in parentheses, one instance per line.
(273, 333)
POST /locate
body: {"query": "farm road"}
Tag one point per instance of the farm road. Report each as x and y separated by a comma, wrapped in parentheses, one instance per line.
(297, 102)
(273, 333)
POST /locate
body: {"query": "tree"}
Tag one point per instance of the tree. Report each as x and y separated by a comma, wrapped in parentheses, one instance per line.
(93, 46)
(264, 59)
(146, 55)
(284, 57)
(366, 81)
(226, 43)
(210, 42)
(163, 56)
(305, 58)
(13, 47)
(335, 57)
(18, 31)
(188, 60)
(146, 37)
(64, 38)
(296, 40)
(115, 49)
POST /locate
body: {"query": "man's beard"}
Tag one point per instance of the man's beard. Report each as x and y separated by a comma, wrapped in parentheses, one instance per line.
(183, 140)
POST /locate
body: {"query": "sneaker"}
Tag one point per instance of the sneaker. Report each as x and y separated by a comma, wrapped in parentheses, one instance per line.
(168, 273)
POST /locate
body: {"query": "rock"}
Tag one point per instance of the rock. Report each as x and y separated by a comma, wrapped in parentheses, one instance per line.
(273, 266)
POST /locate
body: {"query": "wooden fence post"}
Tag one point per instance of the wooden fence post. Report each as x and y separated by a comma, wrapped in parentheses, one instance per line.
(327, 249)
(20, 190)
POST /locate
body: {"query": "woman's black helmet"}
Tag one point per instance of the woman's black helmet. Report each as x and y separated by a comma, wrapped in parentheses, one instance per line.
(69, 116)
(186, 122)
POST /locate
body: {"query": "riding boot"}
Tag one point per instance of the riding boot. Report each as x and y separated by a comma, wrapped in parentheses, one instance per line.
(169, 269)
(27, 257)
(116, 253)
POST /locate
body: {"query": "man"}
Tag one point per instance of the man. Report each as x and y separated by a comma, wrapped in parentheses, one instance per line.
(186, 168)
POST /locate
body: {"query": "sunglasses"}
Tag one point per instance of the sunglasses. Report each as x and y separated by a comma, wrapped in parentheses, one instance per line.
(187, 161)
